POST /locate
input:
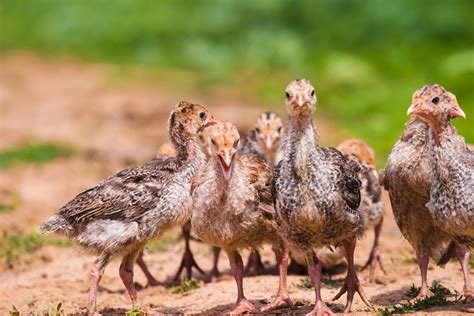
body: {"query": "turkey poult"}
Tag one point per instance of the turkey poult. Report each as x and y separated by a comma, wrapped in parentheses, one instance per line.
(265, 139)
(316, 192)
(121, 214)
(371, 203)
(451, 199)
(233, 209)
(407, 178)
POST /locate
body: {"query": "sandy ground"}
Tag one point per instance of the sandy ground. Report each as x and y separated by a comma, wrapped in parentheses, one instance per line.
(113, 124)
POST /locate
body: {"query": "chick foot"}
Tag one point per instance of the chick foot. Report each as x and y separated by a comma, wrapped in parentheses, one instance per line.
(282, 301)
(375, 259)
(351, 283)
(425, 292)
(241, 307)
(320, 309)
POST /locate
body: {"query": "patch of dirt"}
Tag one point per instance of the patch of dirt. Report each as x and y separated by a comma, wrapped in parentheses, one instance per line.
(117, 125)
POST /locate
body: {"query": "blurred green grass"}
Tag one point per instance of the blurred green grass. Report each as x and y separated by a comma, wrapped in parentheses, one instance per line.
(365, 58)
(33, 153)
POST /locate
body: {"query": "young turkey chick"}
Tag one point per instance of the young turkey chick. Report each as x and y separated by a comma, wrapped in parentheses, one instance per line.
(451, 201)
(265, 139)
(407, 178)
(316, 193)
(121, 214)
(370, 204)
(233, 209)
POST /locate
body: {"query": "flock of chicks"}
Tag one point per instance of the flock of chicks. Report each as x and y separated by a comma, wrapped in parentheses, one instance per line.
(280, 187)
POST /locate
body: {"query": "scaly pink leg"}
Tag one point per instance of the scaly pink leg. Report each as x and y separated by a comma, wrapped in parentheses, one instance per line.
(126, 274)
(283, 299)
(97, 270)
(374, 257)
(314, 272)
(423, 259)
(351, 284)
(463, 257)
(187, 262)
(151, 281)
(237, 267)
(215, 273)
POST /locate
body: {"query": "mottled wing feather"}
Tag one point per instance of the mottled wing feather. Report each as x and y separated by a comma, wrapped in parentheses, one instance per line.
(348, 181)
(125, 195)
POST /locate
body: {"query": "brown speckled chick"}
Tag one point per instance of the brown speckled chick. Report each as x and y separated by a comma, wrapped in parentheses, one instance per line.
(317, 194)
(370, 191)
(233, 209)
(407, 177)
(121, 214)
(265, 139)
(451, 200)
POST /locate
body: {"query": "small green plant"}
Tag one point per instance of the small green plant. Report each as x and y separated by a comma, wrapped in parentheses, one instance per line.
(14, 311)
(471, 261)
(306, 283)
(56, 311)
(136, 311)
(186, 286)
(14, 245)
(440, 298)
(33, 153)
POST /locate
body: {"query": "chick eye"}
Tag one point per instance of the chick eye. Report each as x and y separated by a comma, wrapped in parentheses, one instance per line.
(279, 129)
(213, 142)
(287, 94)
(312, 93)
(257, 130)
(236, 143)
(202, 115)
(435, 100)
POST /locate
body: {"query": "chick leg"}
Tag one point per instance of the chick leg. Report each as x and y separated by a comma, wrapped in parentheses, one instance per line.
(255, 263)
(187, 262)
(237, 267)
(314, 272)
(423, 259)
(375, 257)
(97, 270)
(215, 273)
(126, 274)
(150, 279)
(283, 299)
(463, 257)
(351, 284)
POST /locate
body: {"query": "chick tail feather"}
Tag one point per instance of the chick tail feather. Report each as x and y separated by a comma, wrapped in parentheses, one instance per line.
(56, 223)
(448, 254)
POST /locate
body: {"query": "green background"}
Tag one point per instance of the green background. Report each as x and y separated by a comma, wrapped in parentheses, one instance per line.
(365, 58)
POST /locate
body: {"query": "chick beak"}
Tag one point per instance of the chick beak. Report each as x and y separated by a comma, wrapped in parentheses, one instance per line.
(456, 111)
(414, 109)
(225, 160)
(268, 141)
(300, 100)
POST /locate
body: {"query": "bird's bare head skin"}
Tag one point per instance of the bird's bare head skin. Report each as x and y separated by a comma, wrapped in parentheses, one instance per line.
(300, 98)
(435, 100)
(269, 130)
(224, 138)
(436, 106)
(185, 121)
(359, 149)
(204, 140)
